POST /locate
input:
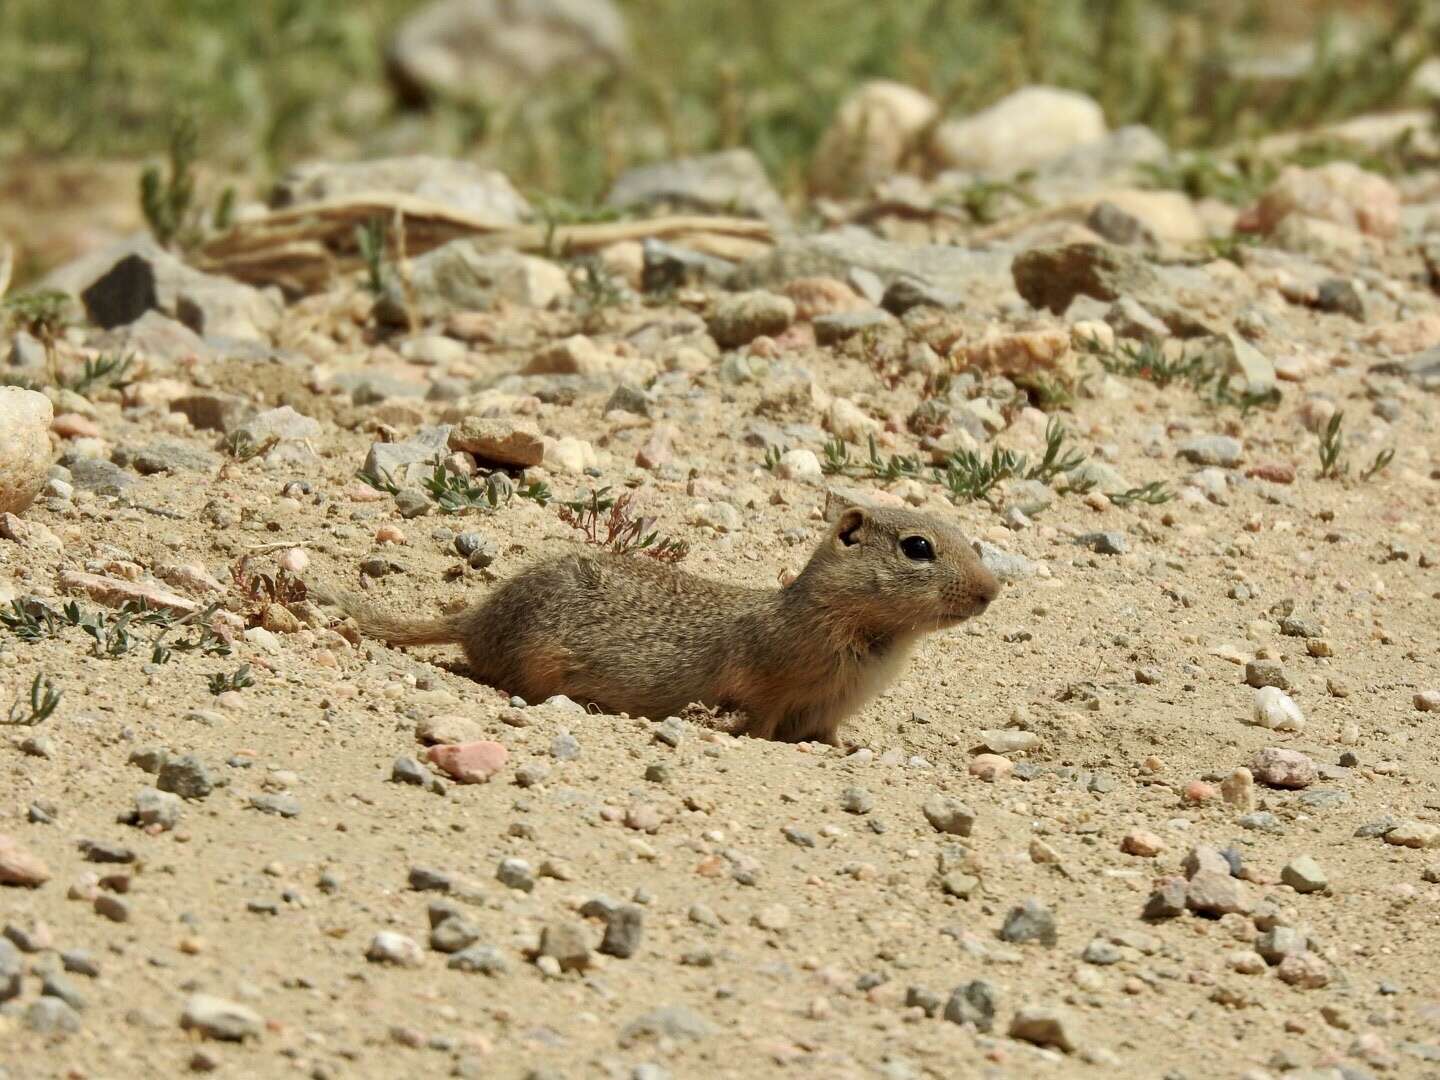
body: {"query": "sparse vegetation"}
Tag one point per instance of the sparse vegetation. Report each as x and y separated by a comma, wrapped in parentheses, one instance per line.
(1154, 493)
(1380, 464)
(608, 523)
(258, 592)
(38, 707)
(167, 198)
(1332, 449)
(238, 679)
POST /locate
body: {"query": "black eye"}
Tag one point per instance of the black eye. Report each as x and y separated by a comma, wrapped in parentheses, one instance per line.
(917, 547)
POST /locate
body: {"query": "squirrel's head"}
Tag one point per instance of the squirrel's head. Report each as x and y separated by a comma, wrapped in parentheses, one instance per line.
(899, 571)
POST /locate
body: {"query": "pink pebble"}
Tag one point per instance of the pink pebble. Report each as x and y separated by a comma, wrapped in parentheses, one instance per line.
(389, 534)
(990, 767)
(1199, 791)
(469, 763)
(295, 560)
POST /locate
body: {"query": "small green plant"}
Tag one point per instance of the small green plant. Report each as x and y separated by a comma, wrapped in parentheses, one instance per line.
(1146, 360)
(597, 290)
(773, 454)
(41, 313)
(242, 447)
(43, 700)
(109, 371)
(370, 243)
(33, 620)
(1154, 493)
(1057, 459)
(380, 480)
(536, 491)
(608, 523)
(1332, 449)
(455, 494)
(166, 198)
(969, 476)
(238, 679)
(1380, 464)
(206, 642)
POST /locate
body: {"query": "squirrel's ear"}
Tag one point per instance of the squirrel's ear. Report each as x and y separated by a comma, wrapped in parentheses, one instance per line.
(847, 529)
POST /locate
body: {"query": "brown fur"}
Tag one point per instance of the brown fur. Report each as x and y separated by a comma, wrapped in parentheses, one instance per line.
(631, 635)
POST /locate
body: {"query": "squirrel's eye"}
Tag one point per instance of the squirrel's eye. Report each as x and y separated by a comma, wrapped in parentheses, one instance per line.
(917, 547)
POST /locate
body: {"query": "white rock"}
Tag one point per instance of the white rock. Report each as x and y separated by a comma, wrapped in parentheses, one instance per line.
(569, 455)
(25, 418)
(799, 464)
(1276, 710)
(848, 420)
(869, 136)
(1021, 131)
(220, 1019)
(388, 947)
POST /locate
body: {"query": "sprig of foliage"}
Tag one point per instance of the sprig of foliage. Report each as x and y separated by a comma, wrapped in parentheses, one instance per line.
(166, 198)
(536, 491)
(207, 642)
(109, 370)
(1145, 360)
(1154, 493)
(454, 494)
(608, 523)
(1380, 464)
(380, 481)
(1332, 449)
(43, 701)
(240, 678)
(1057, 459)
(969, 476)
(370, 243)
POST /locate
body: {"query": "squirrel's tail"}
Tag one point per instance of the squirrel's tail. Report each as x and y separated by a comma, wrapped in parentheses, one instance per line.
(394, 629)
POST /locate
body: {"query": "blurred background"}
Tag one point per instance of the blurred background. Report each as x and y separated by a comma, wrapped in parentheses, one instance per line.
(563, 95)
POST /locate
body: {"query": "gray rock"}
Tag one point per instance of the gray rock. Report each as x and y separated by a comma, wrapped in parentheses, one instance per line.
(481, 52)
(1212, 892)
(1422, 369)
(1029, 923)
(388, 947)
(1279, 942)
(406, 770)
(1131, 319)
(217, 1018)
(425, 879)
(565, 747)
(980, 276)
(856, 800)
(280, 424)
(1220, 450)
(1101, 953)
(1339, 295)
(463, 276)
(1301, 627)
(1261, 821)
(1104, 543)
(80, 963)
(1283, 768)
(906, 292)
(186, 776)
(567, 943)
(739, 318)
(1004, 565)
(1117, 160)
(672, 266)
(972, 1003)
(674, 1022)
(409, 460)
(99, 852)
(157, 338)
(58, 986)
(286, 806)
(1259, 673)
(629, 398)
(1167, 901)
(97, 475)
(838, 326)
(1304, 875)
(918, 997)
(484, 959)
(516, 874)
(51, 1016)
(728, 182)
(1044, 1027)
(1236, 356)
(1052, 277)
(137, 281)
(165, 456)
(949, 815)
(624, 926)
(158, 808)
(1118, 226)
(453, 934)
(457, 185)
(12, 968)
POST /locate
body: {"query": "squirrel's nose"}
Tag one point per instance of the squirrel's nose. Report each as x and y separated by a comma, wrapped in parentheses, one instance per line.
(987, 588)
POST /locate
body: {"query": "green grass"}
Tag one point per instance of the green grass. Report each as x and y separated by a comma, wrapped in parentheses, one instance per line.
(274, 81)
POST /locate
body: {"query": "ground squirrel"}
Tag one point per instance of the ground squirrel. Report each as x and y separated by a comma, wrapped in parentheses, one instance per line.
(631, 635)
